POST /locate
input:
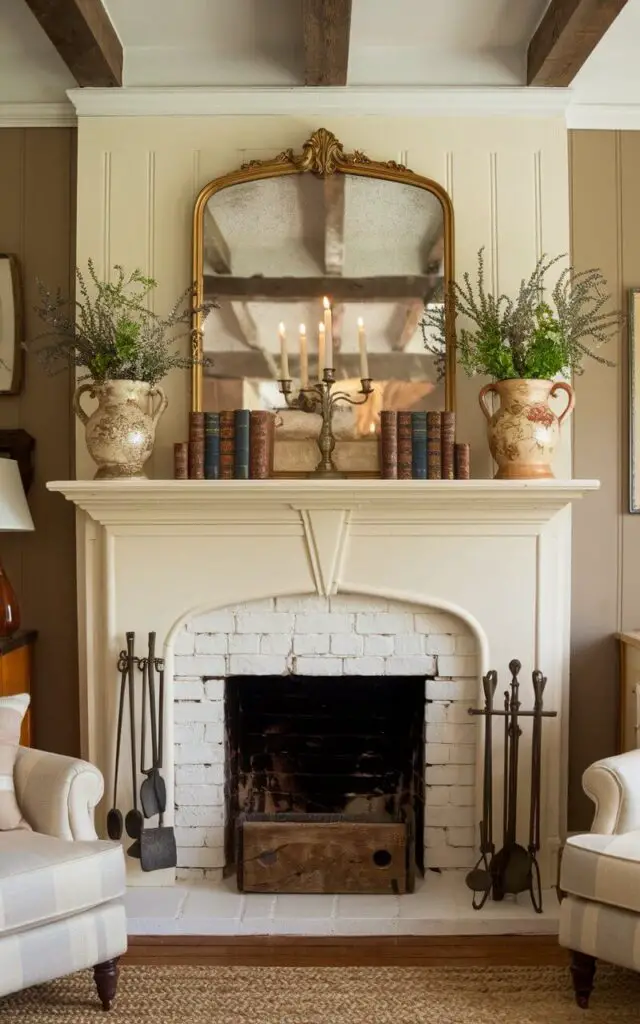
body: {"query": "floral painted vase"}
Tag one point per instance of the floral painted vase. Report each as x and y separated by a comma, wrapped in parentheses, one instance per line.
(524, 431)
(121, 432)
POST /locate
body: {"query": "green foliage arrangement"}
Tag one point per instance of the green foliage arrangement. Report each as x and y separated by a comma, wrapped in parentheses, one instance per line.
(111, 330)
(527, 337)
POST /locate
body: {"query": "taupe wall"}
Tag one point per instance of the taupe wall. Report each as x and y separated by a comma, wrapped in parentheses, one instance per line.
(37, 223)
(605, 224)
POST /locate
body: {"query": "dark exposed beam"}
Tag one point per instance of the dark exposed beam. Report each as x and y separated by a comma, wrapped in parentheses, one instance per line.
(290, 289)
(569, 31)
(326, 27)
(84, 37)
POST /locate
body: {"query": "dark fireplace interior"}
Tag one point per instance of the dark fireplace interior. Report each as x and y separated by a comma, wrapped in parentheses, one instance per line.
(310, 745)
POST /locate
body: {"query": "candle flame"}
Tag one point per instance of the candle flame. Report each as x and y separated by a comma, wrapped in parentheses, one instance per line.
(360, 322)
(281, 327)
(326, 303)
(321, 327)
(303, 329)
(372, 428)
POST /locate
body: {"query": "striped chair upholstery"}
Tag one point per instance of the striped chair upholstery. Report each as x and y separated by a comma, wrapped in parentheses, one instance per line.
(61, 890)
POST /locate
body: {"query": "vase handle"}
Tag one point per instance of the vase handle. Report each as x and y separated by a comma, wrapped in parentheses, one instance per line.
(162, 405)
(561, 385)
(483, 405)
(77, 408)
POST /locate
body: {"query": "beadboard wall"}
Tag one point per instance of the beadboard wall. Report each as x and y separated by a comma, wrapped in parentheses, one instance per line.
(138, 178)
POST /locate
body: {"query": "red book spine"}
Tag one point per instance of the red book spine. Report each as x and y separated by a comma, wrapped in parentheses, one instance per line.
(463, 451)
(227, 445)
(434, 446)
(389, 444)
(196, 446)
(261, 433)
(404, 446)
(181, 460)
(448, 445)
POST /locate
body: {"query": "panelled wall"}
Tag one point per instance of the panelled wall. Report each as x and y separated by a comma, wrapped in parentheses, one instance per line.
(37, 222)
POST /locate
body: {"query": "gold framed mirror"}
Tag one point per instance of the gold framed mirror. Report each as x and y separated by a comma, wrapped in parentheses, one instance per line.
(274, 238)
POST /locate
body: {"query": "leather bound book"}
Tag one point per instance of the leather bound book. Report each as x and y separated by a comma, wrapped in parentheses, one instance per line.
(196, 446)
(434, 446)
(212, 446)
(404, 446)
(227, 445)
(448, 445)
(181, 460)
(462, 456)
(241, 461)
(419, 445)
(261, 439)
(389, 444)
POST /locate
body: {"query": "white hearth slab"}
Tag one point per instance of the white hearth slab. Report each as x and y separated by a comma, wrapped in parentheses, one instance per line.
(441, 905)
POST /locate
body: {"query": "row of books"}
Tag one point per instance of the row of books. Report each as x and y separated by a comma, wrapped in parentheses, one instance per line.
(421, 446)
(233, 445)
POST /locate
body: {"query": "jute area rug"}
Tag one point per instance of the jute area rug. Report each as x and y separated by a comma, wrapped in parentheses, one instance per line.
(331, 995)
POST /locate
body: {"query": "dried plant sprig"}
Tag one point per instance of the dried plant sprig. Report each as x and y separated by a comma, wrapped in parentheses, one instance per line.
(527, 337)
(111, 330)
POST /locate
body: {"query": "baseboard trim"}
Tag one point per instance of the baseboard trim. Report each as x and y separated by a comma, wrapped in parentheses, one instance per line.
(359, 951)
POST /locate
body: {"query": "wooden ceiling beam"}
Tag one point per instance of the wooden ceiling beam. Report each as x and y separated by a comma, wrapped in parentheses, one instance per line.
(326, 28)
(569, 31)
(83, 35)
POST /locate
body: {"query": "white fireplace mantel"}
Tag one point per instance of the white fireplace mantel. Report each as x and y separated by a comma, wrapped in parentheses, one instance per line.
(152, 553)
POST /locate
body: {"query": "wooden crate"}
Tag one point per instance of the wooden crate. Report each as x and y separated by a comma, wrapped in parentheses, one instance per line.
(323, 853)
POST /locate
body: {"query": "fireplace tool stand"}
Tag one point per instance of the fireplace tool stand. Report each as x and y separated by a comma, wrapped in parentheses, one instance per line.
(513, 869)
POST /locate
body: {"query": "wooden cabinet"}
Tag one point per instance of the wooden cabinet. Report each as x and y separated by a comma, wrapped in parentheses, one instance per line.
(15, 672)
(629, 700)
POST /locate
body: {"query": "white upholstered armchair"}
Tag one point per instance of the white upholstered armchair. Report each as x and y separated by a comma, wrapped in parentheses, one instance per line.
(61, 889)
(600, 875)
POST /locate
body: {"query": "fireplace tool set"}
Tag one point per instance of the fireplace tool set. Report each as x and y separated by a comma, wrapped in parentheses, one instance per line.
(513, 868)
(154, 847)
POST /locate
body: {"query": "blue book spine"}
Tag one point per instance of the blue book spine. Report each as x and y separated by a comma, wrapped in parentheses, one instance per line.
(419, 445)
(242, 420)
(212, 445)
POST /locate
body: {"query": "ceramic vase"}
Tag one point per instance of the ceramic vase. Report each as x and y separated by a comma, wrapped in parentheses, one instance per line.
(524, 430)
(120, 433)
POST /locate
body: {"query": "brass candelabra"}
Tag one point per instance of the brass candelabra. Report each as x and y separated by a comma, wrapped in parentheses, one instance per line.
(319, 397)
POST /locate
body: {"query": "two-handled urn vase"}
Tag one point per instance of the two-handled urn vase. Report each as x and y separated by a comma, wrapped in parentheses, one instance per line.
(121, 432)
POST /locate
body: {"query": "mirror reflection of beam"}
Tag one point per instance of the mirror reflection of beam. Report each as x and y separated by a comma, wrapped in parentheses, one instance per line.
(292, 289)
(334, 202)
(404, 324)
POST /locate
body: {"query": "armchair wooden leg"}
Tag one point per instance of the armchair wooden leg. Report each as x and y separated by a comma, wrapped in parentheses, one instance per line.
(583, 969)
(106, 978)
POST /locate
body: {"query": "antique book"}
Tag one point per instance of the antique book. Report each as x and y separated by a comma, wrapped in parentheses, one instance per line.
(181, 460)
(419, 445)
(261, 444)
(462, 457)
(227, 444)
(196, 446)
(404, 446)
(389, 444)
(212, 446)
(434, 446)
(241, 444)
(448, 445)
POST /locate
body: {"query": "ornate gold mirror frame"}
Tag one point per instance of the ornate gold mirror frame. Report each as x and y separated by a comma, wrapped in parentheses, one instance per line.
(322, 155)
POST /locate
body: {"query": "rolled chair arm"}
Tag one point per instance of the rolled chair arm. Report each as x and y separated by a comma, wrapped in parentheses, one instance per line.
(614, 786)
(57, 795)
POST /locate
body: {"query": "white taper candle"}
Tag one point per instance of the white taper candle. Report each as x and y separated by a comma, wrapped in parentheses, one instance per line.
(284, 357)
(362, 345)
(304, 357)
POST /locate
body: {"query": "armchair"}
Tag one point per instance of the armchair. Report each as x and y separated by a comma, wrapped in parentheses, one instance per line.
(60, 888)
(600, 875)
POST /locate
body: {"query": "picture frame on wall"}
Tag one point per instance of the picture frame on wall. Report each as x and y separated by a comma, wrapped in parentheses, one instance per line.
(634, 400)
(11, 326)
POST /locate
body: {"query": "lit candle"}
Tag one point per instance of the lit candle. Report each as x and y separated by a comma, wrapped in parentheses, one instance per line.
(320, 350)
(284, 358)
(304, 358)
(362, 345)
(328, 331)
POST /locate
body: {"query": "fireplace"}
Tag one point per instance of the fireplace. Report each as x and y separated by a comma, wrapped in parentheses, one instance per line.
(351, 746)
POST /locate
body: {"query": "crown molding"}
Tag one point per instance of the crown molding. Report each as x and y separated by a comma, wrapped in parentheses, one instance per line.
(461, 101)
(37, 115)
(604, 116)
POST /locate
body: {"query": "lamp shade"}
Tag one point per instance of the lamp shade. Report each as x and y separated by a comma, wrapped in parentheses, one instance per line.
(14, 511)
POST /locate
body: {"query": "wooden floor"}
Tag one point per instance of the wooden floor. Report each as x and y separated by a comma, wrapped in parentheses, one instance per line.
(295, 951)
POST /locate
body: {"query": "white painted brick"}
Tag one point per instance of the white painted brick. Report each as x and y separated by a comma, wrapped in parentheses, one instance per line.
(199, 666)
(466, 643)
(214, 875)
(318, 666)
(212, 622)
(364, 666)
(462, 753)
(437, 622)
(445, 733)
(199, 796)
(347, 645)
(311, 643)
(450, 775)
(452, 689)
(436, 711)
(244, 643)
(264, 604)
(189, 711)
(450, 857)
(198, 753)
(184, 643)
(460, 665)
(189, 875)
(437, 753)
(383, 622)
(257, 664)
(324, 623)
(448, 816)
(199, 774)
(264, 622)
(450, 713)
(200, 857)
(211, 643)
(214, 689)
(188, 689)
(409, 643)
(435, 837)
(201, 816)
(304, 603)
(437, 796)
(358, 603)
(214, 732)
(463, 796)
(198, 836)
(378, 645)
(461, 836)
(440, 643)
(412, 665)
(188, 732)
(276, 643)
